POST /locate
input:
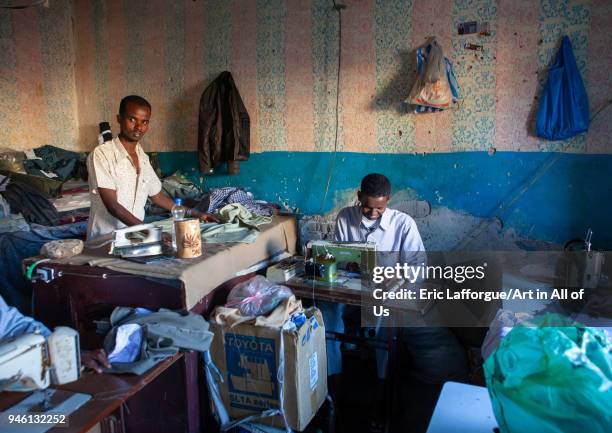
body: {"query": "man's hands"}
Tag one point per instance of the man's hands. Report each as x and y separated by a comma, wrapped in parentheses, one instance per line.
(162, 200)
(94, 360)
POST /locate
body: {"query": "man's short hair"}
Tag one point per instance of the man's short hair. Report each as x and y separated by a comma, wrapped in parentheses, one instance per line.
(375, 185)
(132, 99)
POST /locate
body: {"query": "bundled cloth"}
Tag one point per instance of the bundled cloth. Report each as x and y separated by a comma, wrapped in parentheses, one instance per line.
(62, 248)
(436, 88)
(237, 213)
(239, 225)
(28, 201)
(178, 186)
(220, 197)
(51, 161)
(18, 245)
(550, 376)
(139, 339)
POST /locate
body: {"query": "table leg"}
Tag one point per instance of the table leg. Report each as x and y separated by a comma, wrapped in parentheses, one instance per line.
(192, 396)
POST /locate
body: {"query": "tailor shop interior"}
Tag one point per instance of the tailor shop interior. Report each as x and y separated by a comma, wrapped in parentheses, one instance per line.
(319, 215)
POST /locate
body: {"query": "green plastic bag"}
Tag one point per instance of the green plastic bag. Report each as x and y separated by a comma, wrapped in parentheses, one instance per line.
(554, 376)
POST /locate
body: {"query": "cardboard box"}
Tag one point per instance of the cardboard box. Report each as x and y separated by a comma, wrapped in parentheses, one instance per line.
(248, 358)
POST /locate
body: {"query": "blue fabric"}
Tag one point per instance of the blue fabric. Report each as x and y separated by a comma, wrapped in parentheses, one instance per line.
(14, 324)
(128, 340)
(16, 246)
(564, 106)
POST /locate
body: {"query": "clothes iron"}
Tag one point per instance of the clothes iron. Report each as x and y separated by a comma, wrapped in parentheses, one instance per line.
(137, 241)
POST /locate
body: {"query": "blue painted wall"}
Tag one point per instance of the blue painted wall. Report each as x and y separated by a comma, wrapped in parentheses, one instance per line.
(574, 193)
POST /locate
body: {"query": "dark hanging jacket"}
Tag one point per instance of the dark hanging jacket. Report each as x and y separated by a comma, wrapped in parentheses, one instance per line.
(223, 126)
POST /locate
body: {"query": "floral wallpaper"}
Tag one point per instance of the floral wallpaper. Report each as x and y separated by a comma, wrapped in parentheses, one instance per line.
(271, 19)
(395, 129)
(474, 120)
(284, 58)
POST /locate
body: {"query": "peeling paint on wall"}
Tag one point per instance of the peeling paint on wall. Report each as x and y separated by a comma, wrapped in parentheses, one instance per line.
(574, 194)
(445, 229)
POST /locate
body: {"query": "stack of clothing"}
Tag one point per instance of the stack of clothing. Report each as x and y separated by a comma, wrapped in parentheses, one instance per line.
(239, 225)
(19, 245)
(138, 339)
(28, 201)
(220, 197)
(53, 162)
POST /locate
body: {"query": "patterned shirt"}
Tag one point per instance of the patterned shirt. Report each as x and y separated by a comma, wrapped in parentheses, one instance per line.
(110, 166)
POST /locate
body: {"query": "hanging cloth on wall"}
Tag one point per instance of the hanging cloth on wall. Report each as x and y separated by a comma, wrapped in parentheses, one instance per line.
(564, 105)
(223, 125)
(422, 55)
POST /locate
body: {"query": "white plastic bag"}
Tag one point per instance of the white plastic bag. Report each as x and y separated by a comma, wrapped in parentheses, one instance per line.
(432, 88)
(257, 296)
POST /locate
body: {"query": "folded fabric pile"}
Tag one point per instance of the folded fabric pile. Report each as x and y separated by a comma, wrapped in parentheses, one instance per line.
(29, 202)
(138, 339)
(239, 225)
(220, 197)
(53, 162)
(237, 213)
(178, 186)
(18, 245)
(14, 223)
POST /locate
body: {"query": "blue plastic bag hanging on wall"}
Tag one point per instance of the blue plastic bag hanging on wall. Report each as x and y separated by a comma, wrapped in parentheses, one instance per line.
(564, 106)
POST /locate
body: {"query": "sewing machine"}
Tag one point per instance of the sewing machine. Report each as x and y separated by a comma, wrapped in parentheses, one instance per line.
(362, 253)
(32, 363)
(137, 241)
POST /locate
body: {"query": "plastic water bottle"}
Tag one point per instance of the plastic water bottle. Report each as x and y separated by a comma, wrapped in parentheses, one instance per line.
(178, 213)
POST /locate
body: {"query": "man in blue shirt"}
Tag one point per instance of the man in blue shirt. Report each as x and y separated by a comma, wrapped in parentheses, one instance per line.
(13, 324)
(396, 237)
(436, 354)
(372, 221)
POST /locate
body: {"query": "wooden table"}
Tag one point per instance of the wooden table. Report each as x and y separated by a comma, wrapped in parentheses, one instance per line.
(403, 313)
(109, 394)
(80, 295)
(358, 293)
